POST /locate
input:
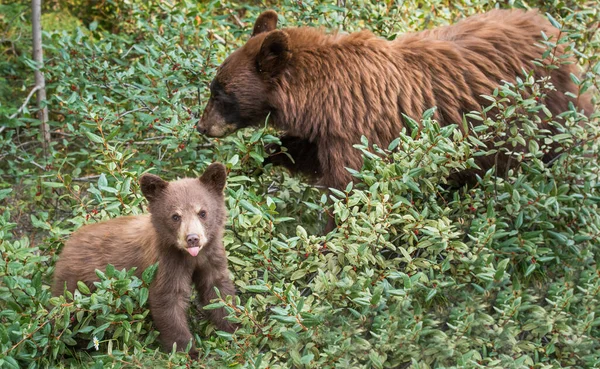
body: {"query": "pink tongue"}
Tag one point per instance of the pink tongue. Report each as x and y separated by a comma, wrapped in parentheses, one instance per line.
(193, 250)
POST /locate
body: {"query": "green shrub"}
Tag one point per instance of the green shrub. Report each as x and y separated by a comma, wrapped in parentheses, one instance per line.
(419, 273)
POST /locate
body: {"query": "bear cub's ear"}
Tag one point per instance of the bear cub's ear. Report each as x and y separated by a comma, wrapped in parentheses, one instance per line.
(274, 53)
(265, 22)
(152, 186)
(214, 177)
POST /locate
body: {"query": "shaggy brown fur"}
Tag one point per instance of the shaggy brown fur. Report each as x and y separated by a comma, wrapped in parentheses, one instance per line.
(326, 90)
(183, 232)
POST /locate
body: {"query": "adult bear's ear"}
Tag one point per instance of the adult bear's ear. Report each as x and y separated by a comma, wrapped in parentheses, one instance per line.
(214, 177)
(265, 22)
(152, 186)
(274, 53)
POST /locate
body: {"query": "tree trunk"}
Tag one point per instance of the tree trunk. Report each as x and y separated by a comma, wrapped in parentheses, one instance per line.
(38, 58)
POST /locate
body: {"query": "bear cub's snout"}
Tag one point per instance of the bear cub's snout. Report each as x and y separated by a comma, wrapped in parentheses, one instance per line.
(193, 244)
(193, 240)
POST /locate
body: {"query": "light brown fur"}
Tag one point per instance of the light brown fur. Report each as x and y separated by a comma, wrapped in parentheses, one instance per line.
(140, 241)
(326, 90)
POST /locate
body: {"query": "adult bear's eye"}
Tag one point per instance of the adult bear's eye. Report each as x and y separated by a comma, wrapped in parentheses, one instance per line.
(226, 103)
(176, 217)
(202, 214)
(217, 90)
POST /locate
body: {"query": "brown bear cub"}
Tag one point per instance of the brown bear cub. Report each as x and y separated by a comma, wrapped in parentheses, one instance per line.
(183, 233)
(326, 90)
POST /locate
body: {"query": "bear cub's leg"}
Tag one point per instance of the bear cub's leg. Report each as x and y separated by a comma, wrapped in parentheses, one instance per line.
(169, 301)
(205, 281)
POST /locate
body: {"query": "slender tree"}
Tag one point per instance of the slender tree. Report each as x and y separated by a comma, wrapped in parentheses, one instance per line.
(40, 83)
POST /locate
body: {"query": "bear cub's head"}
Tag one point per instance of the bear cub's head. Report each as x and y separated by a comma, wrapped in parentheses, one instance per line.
(188, 213)
(239, 93)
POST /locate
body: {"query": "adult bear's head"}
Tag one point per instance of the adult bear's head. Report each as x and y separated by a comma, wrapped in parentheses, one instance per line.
(239, 93)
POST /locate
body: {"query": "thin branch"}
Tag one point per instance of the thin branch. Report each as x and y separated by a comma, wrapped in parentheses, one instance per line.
(25, 338)
(238, 20)
(90, 178)
(161, 154)
(131, 111)
(32, 162)
(127, 52)
(155, 138)
(17, 147)
(38, 58)
(62, 133)
(568, 150)
(24, 105)
(273, 188)
(217, 37)
(107, 86)
(149, 140)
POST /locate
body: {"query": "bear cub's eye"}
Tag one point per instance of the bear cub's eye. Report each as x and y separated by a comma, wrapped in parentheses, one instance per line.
(176, 217)
(202, 214)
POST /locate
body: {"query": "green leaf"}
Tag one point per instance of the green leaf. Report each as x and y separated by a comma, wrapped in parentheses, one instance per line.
(285, 319)
(339, 194)
(554, 22)
(143, 296)
(149, 274)
(101, 329)
(246, 205)
(216, 305)
(128, 305)
(94, 137)
(375, 360)
(530, 270)
(405, 254)
(9, 362)
(257, 289)
(301, 232)
(431, 294)
(307, 359)
(4, 193)
(83, 288)
(102, 181)
(235, 260)
(125, 187)
(53, 184)
(500, 269)
(300, 273)
(110, 270)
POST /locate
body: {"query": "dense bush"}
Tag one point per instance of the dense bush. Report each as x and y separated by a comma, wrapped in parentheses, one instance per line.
(419, 273)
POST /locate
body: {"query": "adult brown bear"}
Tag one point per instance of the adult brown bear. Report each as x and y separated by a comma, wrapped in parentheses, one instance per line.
(326, 90)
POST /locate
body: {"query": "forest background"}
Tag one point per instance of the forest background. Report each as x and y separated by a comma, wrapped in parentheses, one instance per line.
(418, 274)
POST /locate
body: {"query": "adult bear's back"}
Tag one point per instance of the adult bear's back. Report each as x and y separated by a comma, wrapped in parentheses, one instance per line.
(474, 56)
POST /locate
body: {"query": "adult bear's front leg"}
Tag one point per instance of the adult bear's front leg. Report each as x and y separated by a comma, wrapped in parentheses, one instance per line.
(304, 156)
(335, 156)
